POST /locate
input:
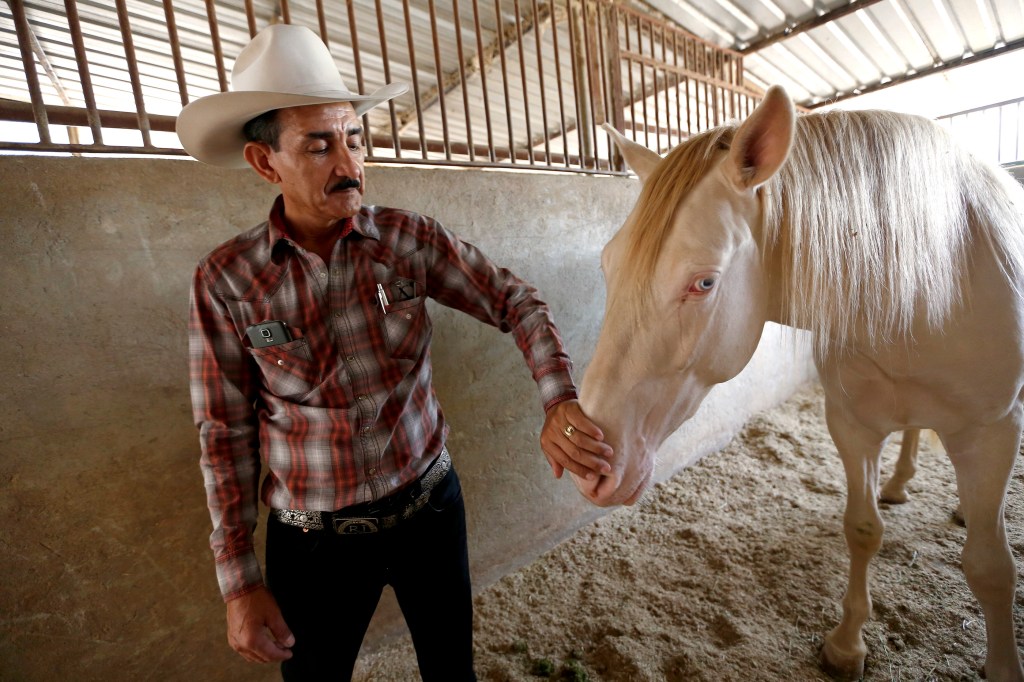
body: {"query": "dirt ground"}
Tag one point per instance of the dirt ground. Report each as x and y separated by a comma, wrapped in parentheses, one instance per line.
(733, 570)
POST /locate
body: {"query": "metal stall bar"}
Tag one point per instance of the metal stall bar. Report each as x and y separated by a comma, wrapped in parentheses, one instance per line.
(439, 74)
(462, 79)
(218, 53)
(526, 90)
(558, 81)
(250, 17)
(357, 65)
(415, 81)
(483, 79)
(82, 60)
(133, 71)
(172, 36)
(24, 32)
(540, 78)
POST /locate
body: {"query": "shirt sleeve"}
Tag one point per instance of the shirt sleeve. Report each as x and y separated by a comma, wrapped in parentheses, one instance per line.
(223, 393)
(462, 277)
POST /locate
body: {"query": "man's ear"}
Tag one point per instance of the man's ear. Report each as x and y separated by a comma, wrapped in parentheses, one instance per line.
(258, 155)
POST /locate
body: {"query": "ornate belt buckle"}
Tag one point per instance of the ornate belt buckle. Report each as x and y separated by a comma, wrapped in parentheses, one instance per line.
(355, 526)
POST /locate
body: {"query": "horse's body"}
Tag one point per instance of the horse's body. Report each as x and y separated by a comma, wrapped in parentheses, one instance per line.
(825, 223)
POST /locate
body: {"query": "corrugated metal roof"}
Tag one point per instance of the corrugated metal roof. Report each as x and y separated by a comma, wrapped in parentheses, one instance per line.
(821, 51)
(830, 50)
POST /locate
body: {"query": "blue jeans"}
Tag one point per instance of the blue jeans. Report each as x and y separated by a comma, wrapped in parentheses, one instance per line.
(328, 585)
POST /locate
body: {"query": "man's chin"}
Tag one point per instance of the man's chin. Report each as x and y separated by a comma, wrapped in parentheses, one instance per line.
(345, 203)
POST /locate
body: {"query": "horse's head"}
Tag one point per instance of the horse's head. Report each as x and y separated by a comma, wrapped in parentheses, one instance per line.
(686, 297)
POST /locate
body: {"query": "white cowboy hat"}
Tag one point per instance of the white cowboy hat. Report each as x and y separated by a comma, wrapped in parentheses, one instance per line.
(282, 66)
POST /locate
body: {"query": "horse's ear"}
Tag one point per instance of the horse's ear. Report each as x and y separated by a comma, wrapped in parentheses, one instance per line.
(762, 142)
(641, 159)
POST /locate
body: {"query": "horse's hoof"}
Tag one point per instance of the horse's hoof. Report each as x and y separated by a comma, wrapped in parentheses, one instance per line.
(841, 667)
(893, 495)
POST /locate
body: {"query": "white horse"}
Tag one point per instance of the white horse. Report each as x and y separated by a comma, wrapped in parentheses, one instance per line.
(901, 253)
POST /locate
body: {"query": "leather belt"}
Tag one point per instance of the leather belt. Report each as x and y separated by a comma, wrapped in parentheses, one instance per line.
(379, 515)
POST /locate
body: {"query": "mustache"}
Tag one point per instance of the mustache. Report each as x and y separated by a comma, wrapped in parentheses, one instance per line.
(345, 183)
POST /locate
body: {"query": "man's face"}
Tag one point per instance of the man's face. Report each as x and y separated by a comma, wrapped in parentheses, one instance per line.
(319, 163)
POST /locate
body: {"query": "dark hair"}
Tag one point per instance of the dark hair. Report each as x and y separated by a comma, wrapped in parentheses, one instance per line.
(264, 128)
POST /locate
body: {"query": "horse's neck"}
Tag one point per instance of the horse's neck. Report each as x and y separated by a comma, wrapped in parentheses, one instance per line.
(775, 277)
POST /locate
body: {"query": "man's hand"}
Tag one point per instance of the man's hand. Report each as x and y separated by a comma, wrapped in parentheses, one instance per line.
(571, 441)
(256, 628)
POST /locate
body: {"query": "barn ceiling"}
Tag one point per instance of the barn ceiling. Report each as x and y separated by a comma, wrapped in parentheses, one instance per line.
(821, 50)
(828, 50)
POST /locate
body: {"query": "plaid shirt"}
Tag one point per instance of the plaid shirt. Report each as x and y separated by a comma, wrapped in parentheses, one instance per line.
(345, 412)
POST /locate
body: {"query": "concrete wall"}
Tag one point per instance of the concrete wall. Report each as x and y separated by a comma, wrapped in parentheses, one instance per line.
(103, 543)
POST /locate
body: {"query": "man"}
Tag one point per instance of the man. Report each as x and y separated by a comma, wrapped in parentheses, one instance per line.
(309, 346)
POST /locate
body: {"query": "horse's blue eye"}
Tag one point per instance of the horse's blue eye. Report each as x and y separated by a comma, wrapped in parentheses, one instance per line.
(705, 284)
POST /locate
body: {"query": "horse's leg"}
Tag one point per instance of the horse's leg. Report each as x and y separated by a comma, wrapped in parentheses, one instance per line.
(844, 650)
(983, 459)
(895, 489)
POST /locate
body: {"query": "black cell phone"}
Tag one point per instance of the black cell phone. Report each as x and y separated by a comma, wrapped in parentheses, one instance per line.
(269, 333)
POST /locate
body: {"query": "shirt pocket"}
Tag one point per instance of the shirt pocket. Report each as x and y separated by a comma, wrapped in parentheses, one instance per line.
(288, 369)
(406, 328)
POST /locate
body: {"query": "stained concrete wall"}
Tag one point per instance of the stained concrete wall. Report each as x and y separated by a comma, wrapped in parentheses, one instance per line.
(106, 569)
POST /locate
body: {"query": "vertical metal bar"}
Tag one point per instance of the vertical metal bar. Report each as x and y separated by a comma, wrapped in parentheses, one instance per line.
(722, 92)
(250, 17)
(218, 55)
(286, 16)
(615, 70)
(133, 70)
(611, 73)
(654, 94)
(584, 88)
(577, 92)
(462, 77)
(360, 85)
(84, 77)
(483, 77)
(679, 112)
(322, 21)
(179, 64)
(1016, 136)
(386, 61)
(413, 69)
(999, 136)
(526, 92)
(704, 84)
(558, 81)
(632, 93)
(688, 65)
(440, 81)
(643, 80)
(540, 78)
(504, 79)
(593, 77)
(28, 63)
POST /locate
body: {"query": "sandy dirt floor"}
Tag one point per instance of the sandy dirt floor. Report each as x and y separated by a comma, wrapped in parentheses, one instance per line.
(733, 570)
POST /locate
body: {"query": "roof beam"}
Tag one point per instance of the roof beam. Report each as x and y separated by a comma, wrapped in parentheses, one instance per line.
(804, 26)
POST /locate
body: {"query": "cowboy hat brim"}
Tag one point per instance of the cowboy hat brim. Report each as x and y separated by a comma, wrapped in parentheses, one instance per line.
(210, 128)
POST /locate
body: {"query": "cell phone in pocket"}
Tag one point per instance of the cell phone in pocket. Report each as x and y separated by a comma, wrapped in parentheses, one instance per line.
(269, 333)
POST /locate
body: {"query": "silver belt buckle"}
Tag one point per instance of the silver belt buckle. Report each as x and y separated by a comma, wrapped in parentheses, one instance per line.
(355, 526)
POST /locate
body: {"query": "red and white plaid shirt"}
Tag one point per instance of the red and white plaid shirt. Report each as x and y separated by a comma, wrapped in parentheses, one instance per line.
(345, 412)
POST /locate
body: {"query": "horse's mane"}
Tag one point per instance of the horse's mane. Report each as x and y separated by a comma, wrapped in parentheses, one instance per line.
(871, 216)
